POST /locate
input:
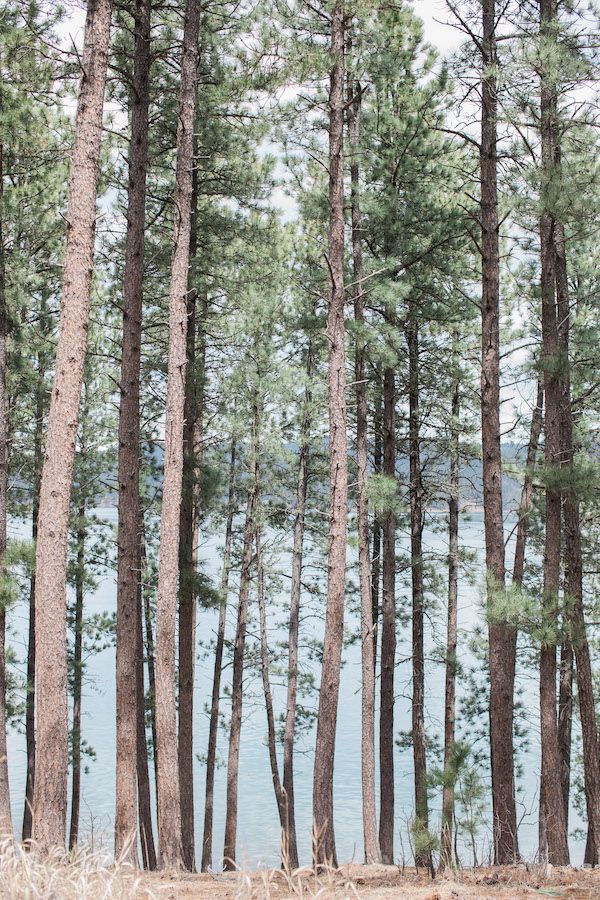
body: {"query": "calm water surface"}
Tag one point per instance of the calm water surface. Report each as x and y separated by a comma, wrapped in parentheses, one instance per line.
(258, 828)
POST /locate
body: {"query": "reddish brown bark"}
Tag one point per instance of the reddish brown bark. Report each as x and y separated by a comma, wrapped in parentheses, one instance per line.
(324, 851)
(81, 534)
(388, 633)
(5, 813)
(129, 538)
(565, 723)
(211, 754)
(502, 639)
(446, 845)
(553, 827)
(573, 583)
(50, 791)
(146, 834)
(590, 857)
(418, 594)
(38, 459)
(376, 553)
(188, 554)
(168, 789)
(150, 654)
(370, 834)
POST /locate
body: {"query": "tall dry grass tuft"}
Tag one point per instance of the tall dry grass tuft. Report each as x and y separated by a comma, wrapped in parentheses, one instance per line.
(279, 884)
(306, 883)
(81, 875)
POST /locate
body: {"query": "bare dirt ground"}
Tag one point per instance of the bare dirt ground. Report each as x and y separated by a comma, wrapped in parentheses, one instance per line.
(378, 883)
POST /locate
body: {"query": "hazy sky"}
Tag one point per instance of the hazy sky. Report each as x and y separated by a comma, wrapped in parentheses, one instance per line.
(433, 12)
(436, 15)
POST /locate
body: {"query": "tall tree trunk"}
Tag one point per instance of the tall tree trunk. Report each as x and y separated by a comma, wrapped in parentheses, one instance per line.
(146, 833)
(50, 791)
(446, 850)
(41, 408)
(573, 583)
(168, 791)
(5, 813)
(502, 639)
(187, 560)
(229, 847)
(370, 834)
(213, 728)
(388, 632)
(324, 851)
(30, 690)
(266, 682)
(418, 595)
(129, 538)
(553, 828)
(565, 722)
(289, 732)
(81, 535)
(150, 657)
(590, 857)
(376, 554)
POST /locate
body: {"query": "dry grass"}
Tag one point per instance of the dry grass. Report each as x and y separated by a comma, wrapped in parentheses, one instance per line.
(303, 883)
(381, 883)
(79, 876)
(90, 876)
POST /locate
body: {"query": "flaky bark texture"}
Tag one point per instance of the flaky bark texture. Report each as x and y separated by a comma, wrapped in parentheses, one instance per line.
(418, 594)
(565, 722)
(446, 846)
(38, 459)
(168, 790)
(573, 583)
(211, 753)
(50, 792)
(370, 833)
(190, 500)
(5, 813)
(324, 852)
(289, 731)
(129, 545)
(376, 552)
(150, 654)
(146, 833)
(81, 535)
(502, 639)
(388, 632)
(229, 847)
(553, 845)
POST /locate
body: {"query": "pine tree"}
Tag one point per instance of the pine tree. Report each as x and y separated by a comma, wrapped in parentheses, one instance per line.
(129, 538)
(168, 791)
(324, 839)
(50, 792)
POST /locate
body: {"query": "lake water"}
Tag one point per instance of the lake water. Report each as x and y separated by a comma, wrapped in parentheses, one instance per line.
(258, 828)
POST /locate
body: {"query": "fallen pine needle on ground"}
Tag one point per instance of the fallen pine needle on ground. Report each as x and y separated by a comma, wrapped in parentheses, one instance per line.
(380, 883)
(87, 876)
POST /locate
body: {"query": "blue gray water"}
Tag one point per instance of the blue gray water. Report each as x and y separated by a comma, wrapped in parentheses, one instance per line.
(258, 829)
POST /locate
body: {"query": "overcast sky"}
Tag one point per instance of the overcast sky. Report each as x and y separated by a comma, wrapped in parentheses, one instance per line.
(436, 15)
(433, 12)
